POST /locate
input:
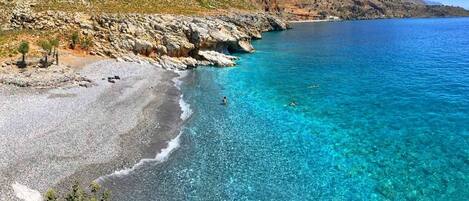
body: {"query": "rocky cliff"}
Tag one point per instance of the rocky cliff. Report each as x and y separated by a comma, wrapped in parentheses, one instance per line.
(169, 41)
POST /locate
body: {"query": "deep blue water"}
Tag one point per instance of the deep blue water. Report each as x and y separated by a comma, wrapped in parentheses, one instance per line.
(382, 113)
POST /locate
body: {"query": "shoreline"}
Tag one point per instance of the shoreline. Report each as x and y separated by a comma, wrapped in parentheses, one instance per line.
(103, 129)
(306, 21)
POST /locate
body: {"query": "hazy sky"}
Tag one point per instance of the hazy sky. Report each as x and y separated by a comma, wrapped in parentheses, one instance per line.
(462, 3)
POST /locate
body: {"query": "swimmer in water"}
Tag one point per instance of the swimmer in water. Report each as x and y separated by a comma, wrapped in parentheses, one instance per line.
(293, 104)
(225, 101)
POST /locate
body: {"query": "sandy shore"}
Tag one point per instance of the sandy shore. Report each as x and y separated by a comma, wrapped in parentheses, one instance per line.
(53, 137)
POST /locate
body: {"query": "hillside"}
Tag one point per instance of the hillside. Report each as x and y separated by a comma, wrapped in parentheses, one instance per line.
(364, 9)
(291, 9)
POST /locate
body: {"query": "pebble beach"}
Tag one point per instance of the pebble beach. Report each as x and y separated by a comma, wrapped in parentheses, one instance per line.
(53, 137)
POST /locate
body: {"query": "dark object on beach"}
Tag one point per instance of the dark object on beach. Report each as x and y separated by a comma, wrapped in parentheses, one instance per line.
(113, 79)
(85, 84)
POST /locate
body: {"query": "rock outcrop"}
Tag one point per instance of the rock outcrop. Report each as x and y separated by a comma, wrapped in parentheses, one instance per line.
(169, 41)
(217, 59)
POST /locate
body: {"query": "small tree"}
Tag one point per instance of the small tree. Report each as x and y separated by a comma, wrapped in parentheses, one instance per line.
(55, 45)
(50, 195)
(74, 40)
(47, 47)
(23, 49)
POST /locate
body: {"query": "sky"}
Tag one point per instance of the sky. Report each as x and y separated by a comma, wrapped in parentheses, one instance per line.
(462, 3)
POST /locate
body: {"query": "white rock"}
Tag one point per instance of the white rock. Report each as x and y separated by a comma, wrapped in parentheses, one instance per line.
(218, 59)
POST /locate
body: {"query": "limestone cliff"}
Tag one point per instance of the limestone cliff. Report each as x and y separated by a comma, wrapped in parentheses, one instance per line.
(169, 41)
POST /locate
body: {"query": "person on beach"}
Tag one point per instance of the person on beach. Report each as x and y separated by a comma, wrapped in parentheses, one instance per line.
(225, 101)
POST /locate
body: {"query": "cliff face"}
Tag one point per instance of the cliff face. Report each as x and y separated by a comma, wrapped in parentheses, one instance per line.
(363, 9)
(169, 41)
(267, 5)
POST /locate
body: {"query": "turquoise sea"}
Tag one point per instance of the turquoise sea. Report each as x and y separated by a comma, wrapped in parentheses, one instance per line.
(381, 113)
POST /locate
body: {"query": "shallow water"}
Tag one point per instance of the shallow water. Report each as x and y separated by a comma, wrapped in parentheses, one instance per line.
(382, 113)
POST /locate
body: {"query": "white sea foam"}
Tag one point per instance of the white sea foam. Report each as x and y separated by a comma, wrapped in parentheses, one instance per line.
(24, 193)
(159, 158)
(185, 108)
(177, 80)
(172, 145)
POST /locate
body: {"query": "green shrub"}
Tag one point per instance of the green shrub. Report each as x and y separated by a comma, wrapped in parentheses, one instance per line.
(74, 40)
(77, 193)
(51, 195)
(47, 48)
(55, 44)
(86, 43)
(23, 49)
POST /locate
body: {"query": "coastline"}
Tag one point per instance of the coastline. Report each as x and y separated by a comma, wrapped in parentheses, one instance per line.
(307, 21)
(103, 129)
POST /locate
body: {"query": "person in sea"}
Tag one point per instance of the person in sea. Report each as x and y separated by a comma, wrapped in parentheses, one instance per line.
(225, 101)
(293, 104)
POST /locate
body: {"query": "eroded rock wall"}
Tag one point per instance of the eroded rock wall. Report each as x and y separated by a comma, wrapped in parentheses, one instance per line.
(154, 38)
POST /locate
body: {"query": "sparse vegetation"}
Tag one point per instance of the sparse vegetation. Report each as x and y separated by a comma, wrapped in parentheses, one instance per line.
(185, 7)
(74, 40)
(9, 40)
(55, 42)
(51, 195)
(55, 45)
(47, 48)
(86, 43)
(77, 193)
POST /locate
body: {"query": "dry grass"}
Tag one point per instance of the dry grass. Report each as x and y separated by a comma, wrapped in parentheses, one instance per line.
(10, 40)
(186, 7)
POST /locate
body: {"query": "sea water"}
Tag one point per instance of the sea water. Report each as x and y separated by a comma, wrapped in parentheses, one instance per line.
(354, 110)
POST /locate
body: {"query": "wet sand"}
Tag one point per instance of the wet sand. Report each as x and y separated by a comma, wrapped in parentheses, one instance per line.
(51, 138)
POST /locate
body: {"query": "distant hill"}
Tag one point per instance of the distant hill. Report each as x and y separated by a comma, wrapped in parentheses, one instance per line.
(364, 9)
(433, 3)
